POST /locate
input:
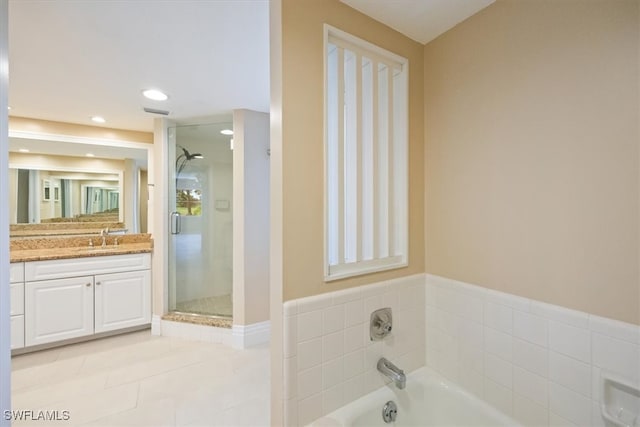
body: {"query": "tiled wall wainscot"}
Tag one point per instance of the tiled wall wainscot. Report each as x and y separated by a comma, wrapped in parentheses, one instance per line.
(538, 363)
(329, 358)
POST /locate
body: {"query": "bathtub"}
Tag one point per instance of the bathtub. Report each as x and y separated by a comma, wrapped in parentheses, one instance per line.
(427, 400)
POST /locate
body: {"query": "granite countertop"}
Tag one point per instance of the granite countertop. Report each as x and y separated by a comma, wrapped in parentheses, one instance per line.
(76, 247)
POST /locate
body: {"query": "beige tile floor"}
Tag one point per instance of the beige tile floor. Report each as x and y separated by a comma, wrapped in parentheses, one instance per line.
(142, 380)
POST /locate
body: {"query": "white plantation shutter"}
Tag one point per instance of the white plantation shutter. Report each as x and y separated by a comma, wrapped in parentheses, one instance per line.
(366, 166)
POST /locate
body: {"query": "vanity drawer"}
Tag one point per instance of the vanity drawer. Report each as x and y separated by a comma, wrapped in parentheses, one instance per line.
(74, 267)
(17, 298)
(17, 332)
(16, 272)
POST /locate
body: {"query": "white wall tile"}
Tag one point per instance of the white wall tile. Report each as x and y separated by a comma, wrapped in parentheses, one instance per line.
(569, 340)
(556, 420)
(354, 388)
(353, 363)
(569, 404)
(531, 386)
(332, 373)
(332, 346)
(290, 378)
(333, 398)
(498, 396)
(616, 355)
(615, 329)
(332, 319)
(390, 299)
(314, 303)
(529, 413)
(498, 317)
(309, 325)
(530, 328)
(290, 336)
(471, 333)
(372, 304)
(291, 412)
(596, 415)
(570, 373)
(309, 354)
(498, 344)
(354, 312)
(354, 338)
(290, 308)
(309, 409)
(515, 302)
(531, 357)
(471, 357)
(596, 383)
(430, 294)
(560, 314)
(309, 382)
(346, 295)
(498, 370)
(471, 379)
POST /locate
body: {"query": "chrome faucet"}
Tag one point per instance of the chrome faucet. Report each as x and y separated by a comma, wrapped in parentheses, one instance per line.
(392, 371)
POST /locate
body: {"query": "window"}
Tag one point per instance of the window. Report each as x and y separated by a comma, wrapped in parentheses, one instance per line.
(366, 104)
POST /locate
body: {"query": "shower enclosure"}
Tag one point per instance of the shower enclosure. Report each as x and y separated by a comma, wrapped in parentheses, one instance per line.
(200, 201)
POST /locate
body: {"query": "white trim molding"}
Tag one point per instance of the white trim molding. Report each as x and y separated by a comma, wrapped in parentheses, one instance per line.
(244, 336)
(193, 332)
(156, 322)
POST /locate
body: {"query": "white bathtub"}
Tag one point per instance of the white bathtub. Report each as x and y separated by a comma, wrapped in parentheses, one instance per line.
(427, 400)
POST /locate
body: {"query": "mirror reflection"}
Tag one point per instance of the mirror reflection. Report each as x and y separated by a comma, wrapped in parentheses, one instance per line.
(40, 196)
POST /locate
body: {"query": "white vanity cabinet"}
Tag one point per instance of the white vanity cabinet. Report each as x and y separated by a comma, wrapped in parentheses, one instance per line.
(122, 300)
(60, 309)
(16, 280)
(77, 297)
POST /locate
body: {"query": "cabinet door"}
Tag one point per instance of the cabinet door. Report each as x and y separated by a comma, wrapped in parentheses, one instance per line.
(17, 332)
(122, 300)
(58, 309)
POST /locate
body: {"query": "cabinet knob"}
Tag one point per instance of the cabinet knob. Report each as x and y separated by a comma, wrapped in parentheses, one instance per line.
(88, 285)
(98, 283)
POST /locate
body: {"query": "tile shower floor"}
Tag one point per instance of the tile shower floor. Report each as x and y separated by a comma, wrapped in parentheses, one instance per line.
(142, 380)
(219, 306)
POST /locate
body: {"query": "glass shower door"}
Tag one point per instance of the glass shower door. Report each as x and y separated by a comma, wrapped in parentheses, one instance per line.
(200, 195)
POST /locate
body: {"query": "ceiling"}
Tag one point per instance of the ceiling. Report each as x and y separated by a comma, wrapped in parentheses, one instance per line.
(73, 59)
(70, 60)
(420, 20)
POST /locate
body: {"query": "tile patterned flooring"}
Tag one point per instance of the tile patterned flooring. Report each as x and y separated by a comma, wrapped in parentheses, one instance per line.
(142, 380)
(219, 306)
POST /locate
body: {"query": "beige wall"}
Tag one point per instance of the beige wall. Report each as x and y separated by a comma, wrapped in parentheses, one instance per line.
(302, 149)
(532, 159)
(58, 128)
(250, 217)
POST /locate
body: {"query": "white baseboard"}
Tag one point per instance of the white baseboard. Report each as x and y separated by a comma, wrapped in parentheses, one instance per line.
(193, 332)
(244, 336)
(156, 325)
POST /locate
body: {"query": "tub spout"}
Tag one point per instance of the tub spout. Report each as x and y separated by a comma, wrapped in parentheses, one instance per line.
(392, 371)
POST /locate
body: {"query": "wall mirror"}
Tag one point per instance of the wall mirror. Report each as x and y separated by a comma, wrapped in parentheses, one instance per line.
(79, 180)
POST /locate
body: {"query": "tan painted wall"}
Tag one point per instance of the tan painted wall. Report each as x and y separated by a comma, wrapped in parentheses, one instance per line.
(532, 153)
(302, 120)
(58, 128)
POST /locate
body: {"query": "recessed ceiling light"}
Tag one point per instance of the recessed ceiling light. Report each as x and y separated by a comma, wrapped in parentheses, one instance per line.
(155, 95)
(98, 119)
(8, 108)
(226, 132)
(90, 155)
(23, 150)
